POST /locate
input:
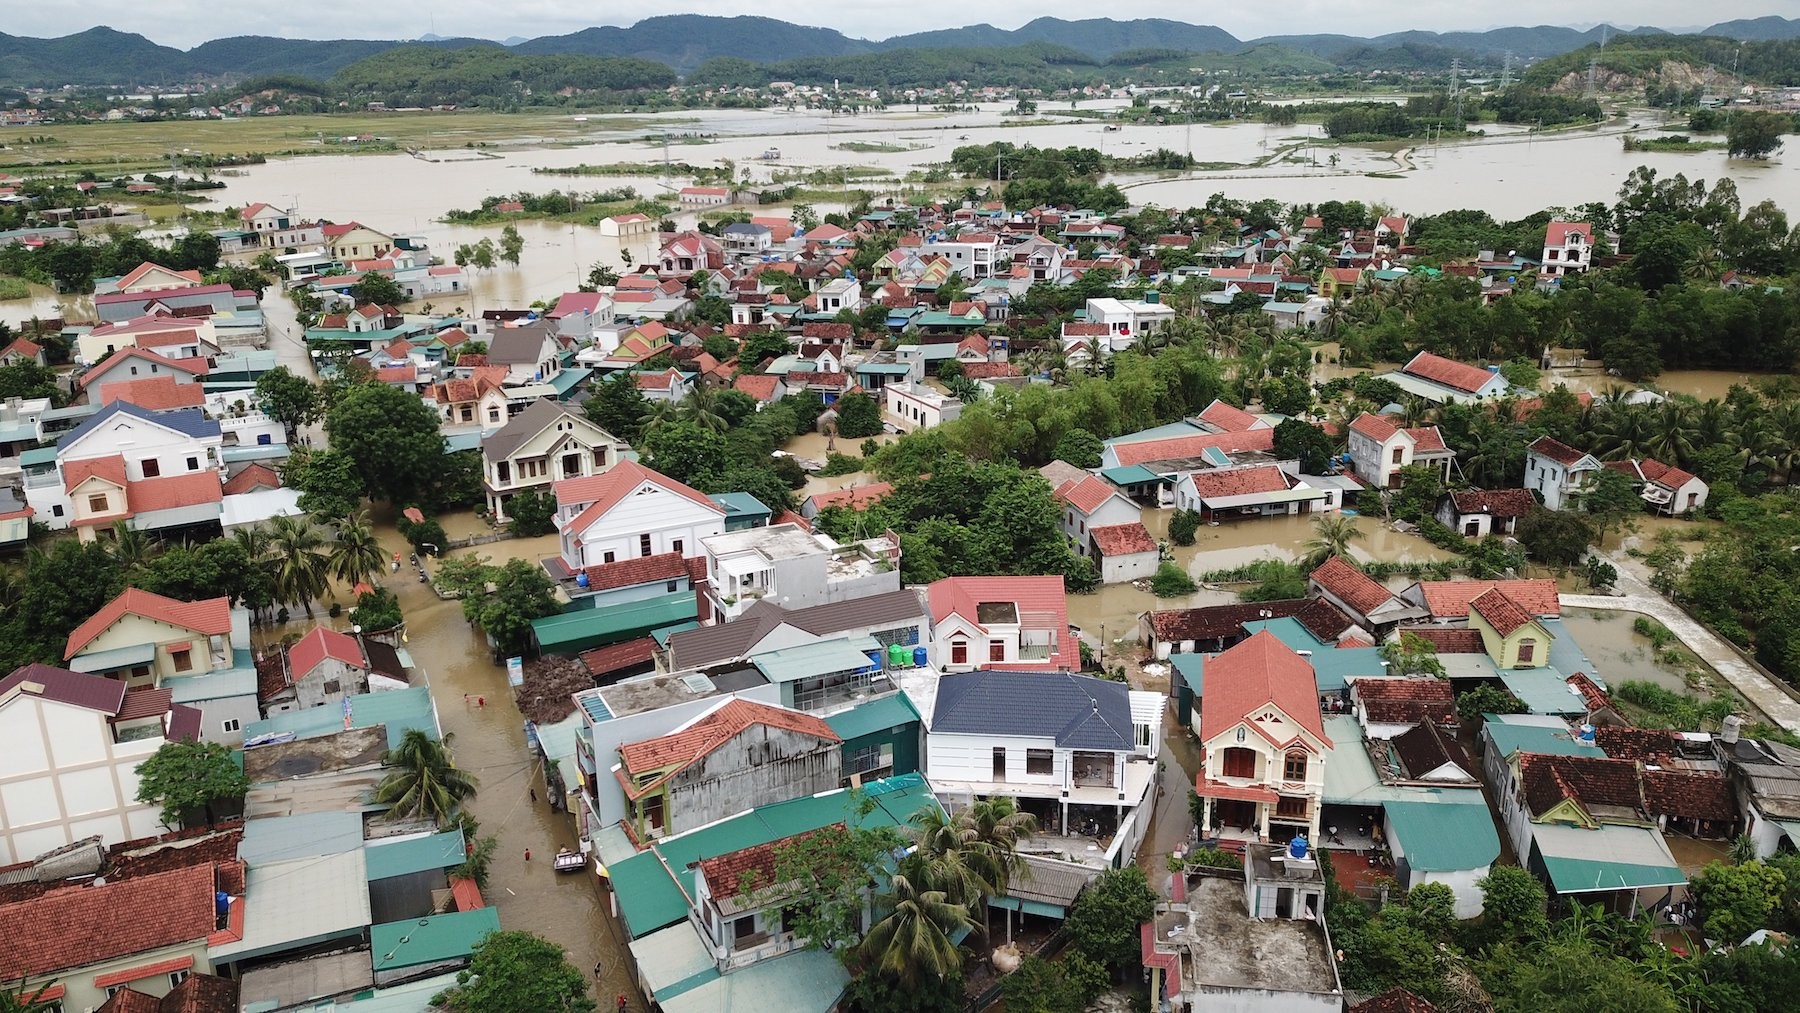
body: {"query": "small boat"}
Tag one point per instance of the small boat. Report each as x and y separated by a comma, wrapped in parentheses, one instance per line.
(569, 861)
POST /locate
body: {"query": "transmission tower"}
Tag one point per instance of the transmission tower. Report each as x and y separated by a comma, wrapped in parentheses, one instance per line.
(1506, 71)
(1456, 89)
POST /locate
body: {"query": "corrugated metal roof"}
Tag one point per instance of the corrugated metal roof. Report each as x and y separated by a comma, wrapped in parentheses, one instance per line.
(1610, 857)
(302, 835)
(386, 859)
(1543, 691)
(1557, 741)
(118, 657)
(820, 658)
(429, 940)
(397, 710)
(299, 902)
(673, 961)
(804, 981)
(1436, 837)
(876, 715)
(574, 631)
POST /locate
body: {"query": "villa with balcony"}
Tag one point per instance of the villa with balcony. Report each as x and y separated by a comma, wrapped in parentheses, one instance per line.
(1019, 623)
(546, 443)
(794, 567)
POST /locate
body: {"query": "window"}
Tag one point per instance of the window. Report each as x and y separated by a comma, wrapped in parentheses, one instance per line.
(152, 467)
(503, 471)
(643, 545)
(996, 650)
(1040, 761)
(177, 977)
(183, 659)
(112, 990)
(229, 726)
(1239, 762)
(56, 511)
(194, 462)
(999, 763)
(493, 413)
(1552, 254)
(608, 558)
(333, 686)
(1527, 649)
(675, 546)
(959, 652)
(1294, 768)
(1398, 453)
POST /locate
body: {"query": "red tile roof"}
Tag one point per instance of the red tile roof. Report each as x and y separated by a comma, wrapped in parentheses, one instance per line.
(1182, 447)
(1122, 539)
(1041, 602)
(1351, 586)
(750, 869)
(210, 616)
(1257, 673)
(1588, 780)
(1449, 599)
(1645, 745)
(1375, 427)
(1700, 795)
(608, 489)
(859, 497)
(1499, 611)
(1426, 439)
(172, 491)
(158, 393)
(1229, 418)
(679, 749)
(1209, 622)
(256, 476)
(989, 370)
(639, 570)
(828, 332)
(1394, 1000)
(758, 385)
(1559, 452)
(310, 651)
(131, 1001)
(608, 660)
(108, 469)
(1239, 481)
(1087, 493)
(1405, 701)
(1558, 232)
(1448, 640)
(144, 703)
(1496, 502)
(81, 926)
(1448, 372)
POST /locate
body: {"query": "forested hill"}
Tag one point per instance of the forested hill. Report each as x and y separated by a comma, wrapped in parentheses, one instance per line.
(685, 41)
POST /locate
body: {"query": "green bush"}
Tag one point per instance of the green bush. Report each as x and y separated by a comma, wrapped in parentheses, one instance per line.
(1183, 525)
(1171, 581)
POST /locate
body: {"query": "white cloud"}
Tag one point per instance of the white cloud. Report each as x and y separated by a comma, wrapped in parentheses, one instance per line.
(186, 23)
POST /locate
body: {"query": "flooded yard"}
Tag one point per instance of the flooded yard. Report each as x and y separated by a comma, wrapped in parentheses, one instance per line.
(1618, 652)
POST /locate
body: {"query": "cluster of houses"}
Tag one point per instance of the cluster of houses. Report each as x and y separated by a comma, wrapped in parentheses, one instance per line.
(314, 893)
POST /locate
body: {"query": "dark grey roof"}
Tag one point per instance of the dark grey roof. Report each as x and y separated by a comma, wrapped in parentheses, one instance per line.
(730, 641)
(1078, 711)
(537, 416)
(745, 229)
(1049, 881)
(1423, 749)
(187, 421)
(517, 346)
(91, 691)
(384, 659)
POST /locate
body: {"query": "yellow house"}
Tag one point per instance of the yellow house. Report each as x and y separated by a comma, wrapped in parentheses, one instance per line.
(1510, 635)
(356, 241)
(1339, 282)
(144, 638)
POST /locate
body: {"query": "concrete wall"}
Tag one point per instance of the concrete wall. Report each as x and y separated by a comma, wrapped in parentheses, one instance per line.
(310, 689)
(758, 766)
(665, 516)
(62, 778)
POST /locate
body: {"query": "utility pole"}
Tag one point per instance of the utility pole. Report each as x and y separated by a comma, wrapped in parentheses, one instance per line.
(1506, 71)
(1456, 89)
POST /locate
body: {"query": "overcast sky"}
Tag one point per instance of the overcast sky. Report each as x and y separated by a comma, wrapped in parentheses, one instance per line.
(186, 23)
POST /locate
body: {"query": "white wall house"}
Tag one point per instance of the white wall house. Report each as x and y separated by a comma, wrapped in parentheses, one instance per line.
(1074, 750)
(547, 442)
(1379, 449)
(631, 511)
(1127, 321)
(1092, 502)
(911, 406)
(797, 568)
(150, 469)
(69, 769)
(974, 255)
(1557, 472)
(1568, 248)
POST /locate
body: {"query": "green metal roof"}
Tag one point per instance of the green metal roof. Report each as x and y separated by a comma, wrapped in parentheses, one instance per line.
(939, 318)
(887, 368)
(802, 981)
(1543, 691)
(673, 961)
(1578, 875)
(454, 442)
(402, 858)
(1536, 739)
(1436, 837)
(566, 380)
(821, 658)
(416, 941)
(653, 886)
(741, 504)
(1333, 666)
(597, 627)
(662, 633)
(1190, 666)
(118, 657)
(400, 710)
(877, 715)
(1134, 474)
(37, 455)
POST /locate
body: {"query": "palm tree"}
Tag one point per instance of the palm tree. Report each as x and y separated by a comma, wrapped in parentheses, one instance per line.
(300, 565)
(700, 408)
(131, 548)
(424, 780)
(914, 942)
(1743, 849)
(998, 826)
(357, 554)
(1332, 535)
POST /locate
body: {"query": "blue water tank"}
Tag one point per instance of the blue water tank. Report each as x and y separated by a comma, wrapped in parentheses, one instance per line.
(222, 901)
(920, 656)
(1297, 847)
(581, 579)
(1586, 734)
(874, 657)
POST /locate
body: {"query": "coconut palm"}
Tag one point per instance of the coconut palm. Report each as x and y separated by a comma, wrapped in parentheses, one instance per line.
(356, 555)
(424, 779)
(300, 564)
(1332, 535)
(998, 826)
(914, 942)
(700, 407)
(131, 548)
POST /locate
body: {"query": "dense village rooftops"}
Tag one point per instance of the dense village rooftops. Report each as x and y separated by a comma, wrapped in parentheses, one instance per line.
(1209, 622)
(1397, 701)
(1183, 448)
(731, 641)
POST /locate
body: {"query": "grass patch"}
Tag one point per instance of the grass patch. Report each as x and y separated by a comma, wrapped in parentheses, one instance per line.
(882, 147)
(1675, 143)
(14, 288)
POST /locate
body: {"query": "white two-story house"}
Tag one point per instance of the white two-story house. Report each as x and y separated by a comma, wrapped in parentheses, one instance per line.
(530, 352)
(1568, 248)
(548, 442)
(974, 255)
(153, 470)
(1125, 322)
(1379, 449)
(630, 511)
(795, 568)
(1558, 472)
(1263, 741)
(1092, 502)
(1075, 751)
(1019, 623)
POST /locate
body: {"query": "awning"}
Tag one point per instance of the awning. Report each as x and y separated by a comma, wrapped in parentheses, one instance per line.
(117, 658)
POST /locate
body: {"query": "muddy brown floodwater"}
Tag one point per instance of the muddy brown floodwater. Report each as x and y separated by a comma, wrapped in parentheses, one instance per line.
(489, 741)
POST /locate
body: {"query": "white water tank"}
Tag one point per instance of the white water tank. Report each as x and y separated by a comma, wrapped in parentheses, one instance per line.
(1728, 728)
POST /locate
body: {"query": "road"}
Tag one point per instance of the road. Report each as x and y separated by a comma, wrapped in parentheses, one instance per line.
(1752, 684)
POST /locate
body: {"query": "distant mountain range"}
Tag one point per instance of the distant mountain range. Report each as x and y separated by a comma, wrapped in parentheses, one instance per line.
(684, 41)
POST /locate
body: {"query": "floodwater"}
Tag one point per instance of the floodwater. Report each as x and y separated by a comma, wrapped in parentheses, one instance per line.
(1704, 384)
(489, 741)
(1618, 652)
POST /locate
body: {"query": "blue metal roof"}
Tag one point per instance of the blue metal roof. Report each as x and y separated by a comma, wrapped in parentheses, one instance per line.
(187, 421)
